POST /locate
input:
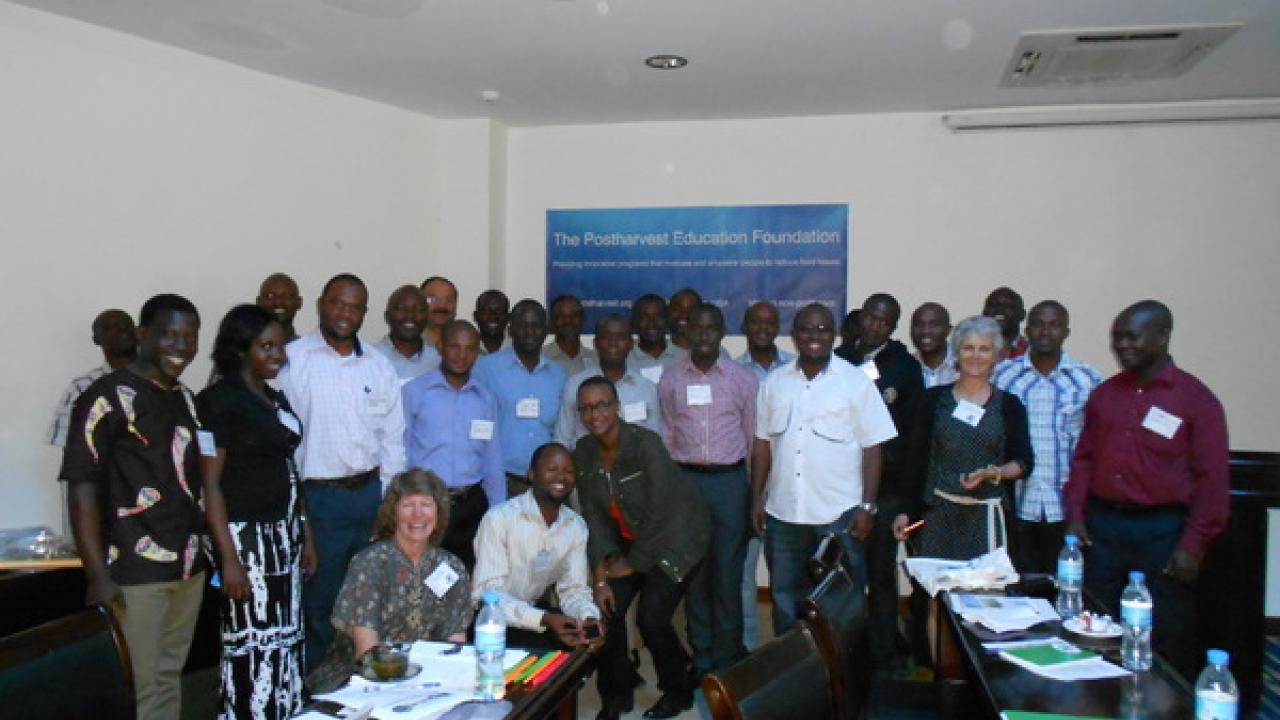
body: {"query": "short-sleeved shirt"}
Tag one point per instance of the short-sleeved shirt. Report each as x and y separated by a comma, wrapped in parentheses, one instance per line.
(57, 435)
(817, 430)
(137, 443)
(257, 480)
(528, 403)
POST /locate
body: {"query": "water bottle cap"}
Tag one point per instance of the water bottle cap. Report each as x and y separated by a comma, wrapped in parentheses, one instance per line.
(1071, 539)
(1137, 576)
(491, 596)
(1218, 657)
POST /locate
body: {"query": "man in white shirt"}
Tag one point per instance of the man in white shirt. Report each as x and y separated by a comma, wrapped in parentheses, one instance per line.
(638, 396)
(816, 461)
(532, 543)
(348, 399)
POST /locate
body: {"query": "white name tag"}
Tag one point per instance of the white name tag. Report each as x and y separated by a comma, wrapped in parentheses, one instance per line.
(527, 408)
(869, 367)
(968, 413)
(635, 412)
(289, 420)
(653, 373)
(208, 447)
(697, 394)
(441, 579)
(376, 404)
(1162, 423)
(481, 429)
(542, 562)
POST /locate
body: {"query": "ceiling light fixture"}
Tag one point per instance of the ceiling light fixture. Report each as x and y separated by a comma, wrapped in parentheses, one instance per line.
(666, 62)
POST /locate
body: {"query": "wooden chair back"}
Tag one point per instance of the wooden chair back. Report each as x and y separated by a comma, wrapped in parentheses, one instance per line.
(836, 611)
(783, 679)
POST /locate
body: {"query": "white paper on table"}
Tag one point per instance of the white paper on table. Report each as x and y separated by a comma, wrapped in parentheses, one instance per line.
(1094, 668)
(1002, 614)
(992, 571)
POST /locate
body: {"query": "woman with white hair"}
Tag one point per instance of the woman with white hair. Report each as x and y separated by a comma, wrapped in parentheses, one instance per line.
(968, 443)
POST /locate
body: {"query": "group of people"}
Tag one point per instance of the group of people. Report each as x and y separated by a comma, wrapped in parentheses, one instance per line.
(350, 494)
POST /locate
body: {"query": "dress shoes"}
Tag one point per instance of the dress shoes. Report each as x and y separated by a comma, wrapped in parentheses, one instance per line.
(670, 705)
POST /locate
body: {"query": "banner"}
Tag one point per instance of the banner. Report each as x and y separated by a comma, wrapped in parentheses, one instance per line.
(790, 255)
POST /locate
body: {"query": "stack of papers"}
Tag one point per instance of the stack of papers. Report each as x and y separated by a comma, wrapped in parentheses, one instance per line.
(992, 571)
(447, 679)
(1058, 659)
(1002, 614)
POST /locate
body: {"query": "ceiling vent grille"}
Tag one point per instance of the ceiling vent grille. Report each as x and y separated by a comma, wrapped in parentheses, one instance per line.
(1109, 54)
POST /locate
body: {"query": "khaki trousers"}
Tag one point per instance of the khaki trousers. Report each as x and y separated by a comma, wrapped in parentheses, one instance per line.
(158, 622)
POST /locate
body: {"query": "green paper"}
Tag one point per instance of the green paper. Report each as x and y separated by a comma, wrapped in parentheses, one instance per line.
(1029, 715)
(1047, 655)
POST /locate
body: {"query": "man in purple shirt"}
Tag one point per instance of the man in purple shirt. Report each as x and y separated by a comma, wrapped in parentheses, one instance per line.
(708, 406)
(450, 428)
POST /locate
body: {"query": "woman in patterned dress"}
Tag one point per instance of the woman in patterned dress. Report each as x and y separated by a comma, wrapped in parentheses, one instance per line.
(968, 443)
(254, 512)
(403, 587)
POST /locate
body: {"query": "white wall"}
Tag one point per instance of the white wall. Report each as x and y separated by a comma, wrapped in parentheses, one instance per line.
(129, 168)
(1096, 218)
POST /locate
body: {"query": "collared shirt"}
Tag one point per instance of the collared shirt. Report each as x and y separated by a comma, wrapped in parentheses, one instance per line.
(817, 430)
(649, 366)
(506, 343)
(57, 435)
(1120, 459)
(637, 396)
(1015, 349)
(1055, 414)
(454, 433)
(350, 407)
(528, 403)
(138, 445)
(761, 371)
(708, 418)
(945, 374)
(570, 365)
(408, 368)
(520, 556)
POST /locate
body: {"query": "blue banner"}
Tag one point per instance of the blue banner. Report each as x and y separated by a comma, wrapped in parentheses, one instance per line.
(790, 255)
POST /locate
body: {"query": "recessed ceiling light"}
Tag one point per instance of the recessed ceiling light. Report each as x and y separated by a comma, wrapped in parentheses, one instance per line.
(666, 62)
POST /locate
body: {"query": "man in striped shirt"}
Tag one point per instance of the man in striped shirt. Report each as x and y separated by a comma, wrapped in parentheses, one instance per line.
(1054, 387)
(114, 333)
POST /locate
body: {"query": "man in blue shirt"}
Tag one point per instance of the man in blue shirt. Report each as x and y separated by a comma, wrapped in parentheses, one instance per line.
(450, 428)
(1054, 387)
(527, 386)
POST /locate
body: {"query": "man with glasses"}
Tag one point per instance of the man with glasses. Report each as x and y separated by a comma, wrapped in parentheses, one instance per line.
(816, 461)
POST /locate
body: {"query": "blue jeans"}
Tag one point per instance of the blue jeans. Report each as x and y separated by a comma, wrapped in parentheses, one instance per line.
(341, 522)
(714, 605)
(750, 596)
(786, 548)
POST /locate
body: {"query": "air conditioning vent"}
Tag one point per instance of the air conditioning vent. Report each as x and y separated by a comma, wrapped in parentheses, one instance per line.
(1109, 54)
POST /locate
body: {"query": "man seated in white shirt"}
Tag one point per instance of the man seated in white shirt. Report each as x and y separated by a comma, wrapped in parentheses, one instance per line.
(532, 543)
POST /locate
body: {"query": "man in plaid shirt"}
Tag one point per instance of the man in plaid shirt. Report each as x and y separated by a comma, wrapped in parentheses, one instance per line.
(1054, 387)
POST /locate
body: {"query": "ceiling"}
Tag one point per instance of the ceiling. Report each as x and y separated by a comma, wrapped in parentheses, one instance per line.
(581, 61)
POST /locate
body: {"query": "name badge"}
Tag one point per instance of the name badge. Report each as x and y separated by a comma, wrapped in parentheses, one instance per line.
(1162, 423)
(441, 579)
(376, 404)
(635, 412)
(542, 562)
(652, 373)
(968, 413)
(481, 429)
(527, 408)
(289, 420)
(697, 394)
(869, 367)
(208, 447)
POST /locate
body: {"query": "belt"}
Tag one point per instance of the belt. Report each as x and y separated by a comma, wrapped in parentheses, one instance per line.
(349, 482)
(461, 493)
(711, 469)
(994, 510)
(1123, 508)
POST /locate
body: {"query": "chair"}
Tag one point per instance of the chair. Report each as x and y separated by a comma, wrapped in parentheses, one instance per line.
(74, 667)
(836, 612)
(782, 679)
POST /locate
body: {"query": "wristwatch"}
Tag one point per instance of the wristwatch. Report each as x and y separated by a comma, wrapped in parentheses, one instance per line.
(870, 507)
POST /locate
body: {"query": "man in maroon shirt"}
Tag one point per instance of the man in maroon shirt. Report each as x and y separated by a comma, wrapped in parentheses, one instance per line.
(1148, 488)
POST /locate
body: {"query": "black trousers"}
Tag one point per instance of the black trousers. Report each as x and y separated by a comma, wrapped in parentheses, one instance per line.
(882, 584)
(658, 596)
(465, 512)
(1037, 545)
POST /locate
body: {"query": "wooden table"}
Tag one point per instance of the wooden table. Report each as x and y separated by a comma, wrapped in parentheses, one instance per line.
(999, 685)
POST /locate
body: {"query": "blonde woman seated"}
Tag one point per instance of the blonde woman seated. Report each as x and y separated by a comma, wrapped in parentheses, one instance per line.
(403, 587)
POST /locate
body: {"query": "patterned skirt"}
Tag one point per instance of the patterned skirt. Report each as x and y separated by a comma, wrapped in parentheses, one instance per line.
(262, 636)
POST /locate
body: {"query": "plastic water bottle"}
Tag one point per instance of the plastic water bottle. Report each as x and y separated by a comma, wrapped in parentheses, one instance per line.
(1070, 578)
(1217, 697)
(491, 645)
(1135, 614)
